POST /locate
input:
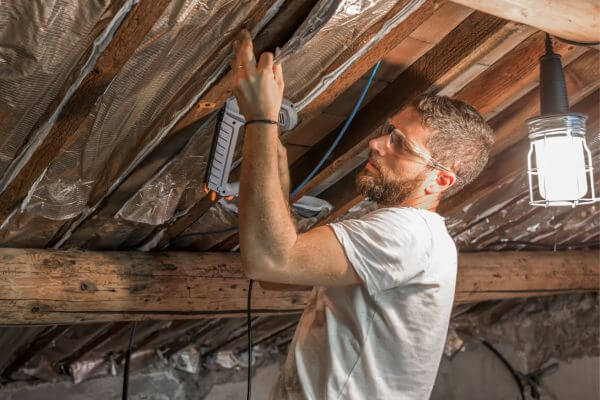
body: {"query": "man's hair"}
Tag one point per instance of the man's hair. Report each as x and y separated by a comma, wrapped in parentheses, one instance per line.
(461, 139)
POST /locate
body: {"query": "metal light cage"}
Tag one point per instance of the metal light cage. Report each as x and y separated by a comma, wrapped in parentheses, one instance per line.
(547, 127)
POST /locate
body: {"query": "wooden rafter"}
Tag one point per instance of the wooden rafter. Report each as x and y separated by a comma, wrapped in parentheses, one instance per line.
(573, 20)
(44, 286)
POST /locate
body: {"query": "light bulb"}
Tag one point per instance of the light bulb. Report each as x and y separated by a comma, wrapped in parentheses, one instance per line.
(559, 160)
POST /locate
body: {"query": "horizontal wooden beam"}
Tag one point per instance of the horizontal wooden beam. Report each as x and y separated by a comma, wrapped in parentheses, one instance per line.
(573, 20)
(62, 287)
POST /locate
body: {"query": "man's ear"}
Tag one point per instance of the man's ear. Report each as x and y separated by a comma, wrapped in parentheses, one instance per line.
(439, 182)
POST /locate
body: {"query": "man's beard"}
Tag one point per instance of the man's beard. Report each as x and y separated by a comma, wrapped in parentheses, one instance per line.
(384, 189)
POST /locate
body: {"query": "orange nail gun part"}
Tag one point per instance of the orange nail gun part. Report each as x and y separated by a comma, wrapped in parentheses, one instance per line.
(212, 195)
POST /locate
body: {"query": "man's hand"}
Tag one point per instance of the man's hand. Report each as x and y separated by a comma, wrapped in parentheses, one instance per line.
(258, 88)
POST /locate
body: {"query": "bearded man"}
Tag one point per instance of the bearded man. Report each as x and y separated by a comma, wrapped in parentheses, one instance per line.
(376, 323)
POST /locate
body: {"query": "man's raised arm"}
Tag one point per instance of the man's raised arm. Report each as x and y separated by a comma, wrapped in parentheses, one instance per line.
(271, 250)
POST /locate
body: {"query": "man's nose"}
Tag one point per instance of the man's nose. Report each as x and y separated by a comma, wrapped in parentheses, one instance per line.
(377, 145)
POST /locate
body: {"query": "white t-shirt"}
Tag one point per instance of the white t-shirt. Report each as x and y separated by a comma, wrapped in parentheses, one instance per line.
(382, 339)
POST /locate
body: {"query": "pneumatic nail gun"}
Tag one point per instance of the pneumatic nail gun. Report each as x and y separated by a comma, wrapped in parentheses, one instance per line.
(229, 122)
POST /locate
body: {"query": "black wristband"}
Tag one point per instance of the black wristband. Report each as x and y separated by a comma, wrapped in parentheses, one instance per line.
(262, 121)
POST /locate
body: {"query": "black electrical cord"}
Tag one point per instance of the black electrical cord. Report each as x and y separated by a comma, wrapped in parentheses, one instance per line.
(127, 360)
(249, 316)
(508, 366)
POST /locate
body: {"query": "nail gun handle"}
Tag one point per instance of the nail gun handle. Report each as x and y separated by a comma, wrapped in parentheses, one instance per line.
(229, 122)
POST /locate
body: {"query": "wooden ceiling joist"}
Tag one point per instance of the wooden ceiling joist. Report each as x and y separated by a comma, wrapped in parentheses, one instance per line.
(60, 287)
(573, 20)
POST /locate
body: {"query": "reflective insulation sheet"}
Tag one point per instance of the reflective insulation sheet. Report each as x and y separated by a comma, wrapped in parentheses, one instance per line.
(331, 28)
(43, 49)
(185, 47)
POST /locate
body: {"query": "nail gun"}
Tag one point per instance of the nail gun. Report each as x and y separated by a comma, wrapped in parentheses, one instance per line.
(229, 122)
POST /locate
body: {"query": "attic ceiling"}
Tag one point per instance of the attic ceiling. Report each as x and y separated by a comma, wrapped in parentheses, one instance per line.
(107, 113)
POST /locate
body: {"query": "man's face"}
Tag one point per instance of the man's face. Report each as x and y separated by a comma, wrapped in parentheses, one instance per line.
(394, 174)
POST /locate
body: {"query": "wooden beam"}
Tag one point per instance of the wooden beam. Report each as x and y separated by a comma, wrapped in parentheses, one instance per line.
(63, 133)
(574, 20)
(60, 287)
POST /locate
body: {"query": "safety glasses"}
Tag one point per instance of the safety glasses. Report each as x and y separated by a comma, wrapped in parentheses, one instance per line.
(401, 144)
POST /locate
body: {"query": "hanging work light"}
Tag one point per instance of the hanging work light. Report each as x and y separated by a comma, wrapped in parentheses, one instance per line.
(562, 164)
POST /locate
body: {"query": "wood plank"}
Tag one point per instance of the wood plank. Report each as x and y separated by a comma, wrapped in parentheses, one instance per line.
(63, 133)
(582, 77)
(60, 287)
(513, 75)
(498, 275)
(574, 20)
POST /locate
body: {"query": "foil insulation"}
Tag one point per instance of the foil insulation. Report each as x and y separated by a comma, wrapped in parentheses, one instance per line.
(43, 50)
(189, 45)
(331, 28)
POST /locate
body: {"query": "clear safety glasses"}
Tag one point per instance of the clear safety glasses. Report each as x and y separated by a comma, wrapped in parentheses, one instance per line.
(403, 145)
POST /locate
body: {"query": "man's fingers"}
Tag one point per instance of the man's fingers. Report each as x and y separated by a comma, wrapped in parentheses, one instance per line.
(244, 53)
(265, 63)
(278, 73)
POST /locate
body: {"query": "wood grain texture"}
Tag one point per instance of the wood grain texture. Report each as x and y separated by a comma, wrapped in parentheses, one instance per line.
(513, 75)
(573, 20)
(62, 135)
(60, 287)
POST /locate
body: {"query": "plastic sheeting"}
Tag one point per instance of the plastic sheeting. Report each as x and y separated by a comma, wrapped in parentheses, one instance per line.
(190, 40)
(41, 45)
